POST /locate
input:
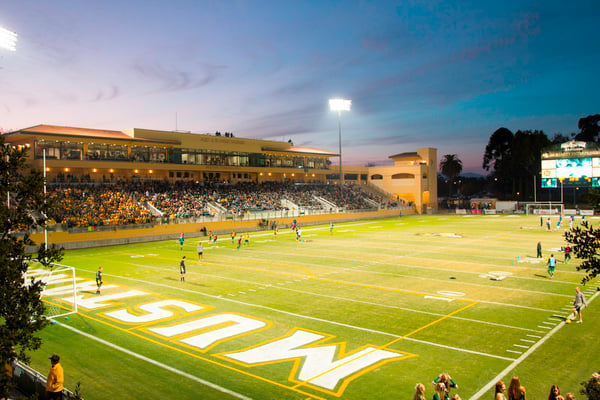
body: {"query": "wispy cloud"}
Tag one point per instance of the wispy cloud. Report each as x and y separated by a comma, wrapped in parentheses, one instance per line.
(171, 79)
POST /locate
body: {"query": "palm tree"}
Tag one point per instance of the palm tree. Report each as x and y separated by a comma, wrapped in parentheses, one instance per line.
(451, 167)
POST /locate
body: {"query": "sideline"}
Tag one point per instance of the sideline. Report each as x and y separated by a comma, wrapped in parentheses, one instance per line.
(522, 358)
(158, 364)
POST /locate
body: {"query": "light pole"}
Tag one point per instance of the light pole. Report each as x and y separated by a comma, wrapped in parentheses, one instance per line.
(340, 105)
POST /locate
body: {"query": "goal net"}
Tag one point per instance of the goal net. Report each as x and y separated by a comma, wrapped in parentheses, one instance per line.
(544, 208)
(60, 291)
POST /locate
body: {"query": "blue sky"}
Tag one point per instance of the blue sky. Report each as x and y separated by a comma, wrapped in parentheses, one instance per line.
(419, 73)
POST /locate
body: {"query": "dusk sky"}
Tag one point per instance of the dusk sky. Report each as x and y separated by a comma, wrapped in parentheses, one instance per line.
(419, 73)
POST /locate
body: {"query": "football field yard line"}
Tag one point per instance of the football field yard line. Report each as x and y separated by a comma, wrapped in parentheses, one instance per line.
(318, 319)
(367, 302)
(519, 360)
(412, 266)
(157, 363)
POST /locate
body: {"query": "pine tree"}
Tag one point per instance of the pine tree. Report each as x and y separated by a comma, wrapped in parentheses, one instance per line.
(585, 240)
(23, 207)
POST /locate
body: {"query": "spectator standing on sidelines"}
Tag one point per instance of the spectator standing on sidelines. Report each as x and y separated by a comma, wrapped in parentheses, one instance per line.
(500, 389)
(551, 266)
(419, 392)
(55, 380)
(182, 270)
(99, 279)
(516, 391)
(448, 382)
(440, 392)
(539, 250)
(578, 304)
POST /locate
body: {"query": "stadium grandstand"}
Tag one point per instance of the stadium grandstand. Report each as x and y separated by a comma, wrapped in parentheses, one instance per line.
(143, 177)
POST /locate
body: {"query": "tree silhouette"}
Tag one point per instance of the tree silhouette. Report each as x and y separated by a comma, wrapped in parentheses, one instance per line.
(23, 208)
(589, 128)
(451, 167)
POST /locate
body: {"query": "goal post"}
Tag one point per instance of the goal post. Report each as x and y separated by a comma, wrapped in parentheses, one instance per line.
(60, 288)
(546, 208)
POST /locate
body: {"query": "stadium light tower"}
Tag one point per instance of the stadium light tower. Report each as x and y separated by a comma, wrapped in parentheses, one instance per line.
(8, 39)
(340, 105)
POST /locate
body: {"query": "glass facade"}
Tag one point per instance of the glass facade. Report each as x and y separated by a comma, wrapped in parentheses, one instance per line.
(63, 150)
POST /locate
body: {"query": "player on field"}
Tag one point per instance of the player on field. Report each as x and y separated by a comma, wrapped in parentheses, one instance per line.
(182, 269)
(551, 266)
(99, 279)
(567, 251)
(200, 251)
(578, 304)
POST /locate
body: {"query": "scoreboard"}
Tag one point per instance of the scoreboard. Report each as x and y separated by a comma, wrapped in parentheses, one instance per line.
(583, 172)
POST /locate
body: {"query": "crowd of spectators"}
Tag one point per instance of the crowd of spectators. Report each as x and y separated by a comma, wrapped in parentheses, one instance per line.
(138, 202)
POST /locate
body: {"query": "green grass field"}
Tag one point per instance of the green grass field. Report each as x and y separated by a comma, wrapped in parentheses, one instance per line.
(364, 312)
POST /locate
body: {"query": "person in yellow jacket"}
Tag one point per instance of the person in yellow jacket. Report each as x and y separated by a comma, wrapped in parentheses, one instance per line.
(55, 380)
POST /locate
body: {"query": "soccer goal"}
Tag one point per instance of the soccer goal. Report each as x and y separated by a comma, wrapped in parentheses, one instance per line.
(60, 288)
(547, 208)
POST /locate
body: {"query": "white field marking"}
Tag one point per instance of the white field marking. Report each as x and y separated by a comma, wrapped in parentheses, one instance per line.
(534, 336)
(458, 349)
(521, 346)
(257, 255)
(555, 319)
(251, 290)
(519, 360)
(444, 280)
(157, 363)
(439, 298)
(344, 230)
(514, 351)
(544, 327)
(395, 336)
(350, 300)
(527, 340)
(450, 293)
(375, 227)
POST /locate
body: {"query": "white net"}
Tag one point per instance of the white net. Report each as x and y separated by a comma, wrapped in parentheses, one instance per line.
(544, 209)
(60, 291)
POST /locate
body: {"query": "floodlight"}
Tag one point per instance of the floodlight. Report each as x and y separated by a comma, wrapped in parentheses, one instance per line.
(340, 105)
(8, 39)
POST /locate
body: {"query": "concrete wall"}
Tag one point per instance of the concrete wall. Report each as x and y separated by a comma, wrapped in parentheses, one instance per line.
(173, 231)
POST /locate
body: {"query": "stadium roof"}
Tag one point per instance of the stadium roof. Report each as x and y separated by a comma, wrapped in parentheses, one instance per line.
(301, 150)
(54, 130)
(413, 155)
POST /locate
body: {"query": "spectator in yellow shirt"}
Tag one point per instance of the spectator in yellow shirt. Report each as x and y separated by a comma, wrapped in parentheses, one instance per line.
(55, 380)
